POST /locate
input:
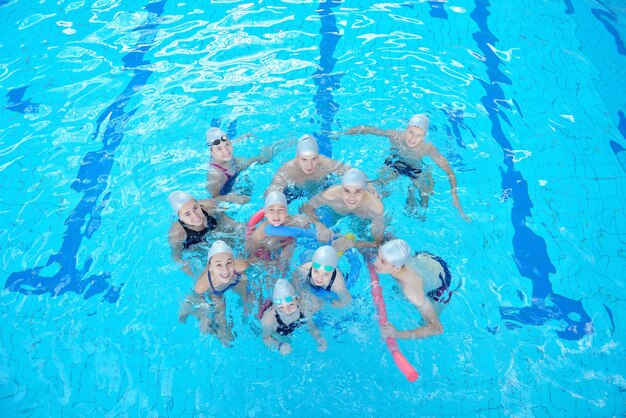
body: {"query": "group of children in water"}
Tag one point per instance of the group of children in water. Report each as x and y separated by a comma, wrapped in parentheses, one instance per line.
(423, 278)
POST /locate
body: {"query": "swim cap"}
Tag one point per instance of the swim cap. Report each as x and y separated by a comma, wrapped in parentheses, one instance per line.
(326, 256)
(275, 198)
(178, 199)
(307, 144)
(219, 246)
(421, 121)
(282, 289)
(396, 251)
(212, 134)
(354, 177)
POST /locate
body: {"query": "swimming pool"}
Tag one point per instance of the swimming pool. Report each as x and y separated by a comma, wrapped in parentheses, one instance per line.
(105, 110)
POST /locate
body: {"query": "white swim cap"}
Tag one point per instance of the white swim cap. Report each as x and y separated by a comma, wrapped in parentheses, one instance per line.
(396, 251)
(326, 256)
(275, 198)
(354, 177)
(219, 246)
(307, 144)
(421, 121)
(178, 199)
(283, 289)
(214, 133)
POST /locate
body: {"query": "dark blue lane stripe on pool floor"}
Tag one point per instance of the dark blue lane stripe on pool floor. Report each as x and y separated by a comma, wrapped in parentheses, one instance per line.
(617, 148)
(92, 181)
(530, 251)
(606, 17)
(324, 79)
(17, 103)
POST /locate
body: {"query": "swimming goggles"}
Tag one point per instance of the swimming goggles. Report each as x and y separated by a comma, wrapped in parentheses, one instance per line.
(326, 268)
(217, 141)
(286, 299)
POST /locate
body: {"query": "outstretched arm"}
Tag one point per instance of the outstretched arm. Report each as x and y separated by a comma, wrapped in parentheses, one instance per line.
(315, 332)
(176, 237)
(443, 163)
(433, 324)
(323, 233)
(269, 326)
(265, 156)
(279, 182)
(223, 329)
(339, 287)
(371, 130)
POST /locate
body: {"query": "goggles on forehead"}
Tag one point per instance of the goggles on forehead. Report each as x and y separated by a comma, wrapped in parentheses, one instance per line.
(326, 268)
(217, 141)
(286, 299)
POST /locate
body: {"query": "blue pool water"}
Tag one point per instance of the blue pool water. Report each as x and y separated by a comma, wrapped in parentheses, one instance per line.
(105, 108)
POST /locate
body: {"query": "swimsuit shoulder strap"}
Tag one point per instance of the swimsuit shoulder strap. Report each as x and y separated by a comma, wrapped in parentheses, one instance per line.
(332, 280)
(208, 275)
(278, 319)
(222, 169)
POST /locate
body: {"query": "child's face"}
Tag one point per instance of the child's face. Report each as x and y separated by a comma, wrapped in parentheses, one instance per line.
(414, 136)
(308, 163)
(223, 151)
(321, 275)
(191, 213)
(287, 308)
(352, 196)
(382, 265)
(222, 267)
(276, 215)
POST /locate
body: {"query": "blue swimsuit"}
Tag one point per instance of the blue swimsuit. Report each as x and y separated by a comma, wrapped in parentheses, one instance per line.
(221, 292)
(230, 179)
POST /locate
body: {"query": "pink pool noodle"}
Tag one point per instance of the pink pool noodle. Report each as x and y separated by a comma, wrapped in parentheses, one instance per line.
(403, 364)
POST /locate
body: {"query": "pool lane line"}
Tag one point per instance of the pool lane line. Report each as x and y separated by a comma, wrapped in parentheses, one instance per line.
(325, 104)
(606, 17)
(530, 250)
(92, 181)
(618, 149)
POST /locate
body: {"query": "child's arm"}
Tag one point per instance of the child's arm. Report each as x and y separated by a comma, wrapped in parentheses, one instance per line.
(339, 288)
(323, 233)
(269, 326)
(176, 237)
(433, 324)
(370, 130)
(443, 163)
(321, 341)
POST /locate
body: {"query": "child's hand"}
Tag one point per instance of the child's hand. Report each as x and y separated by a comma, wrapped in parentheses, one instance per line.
(389, 331)
(321, 344)
(343, 244)
(284, 348)
(324, 234)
